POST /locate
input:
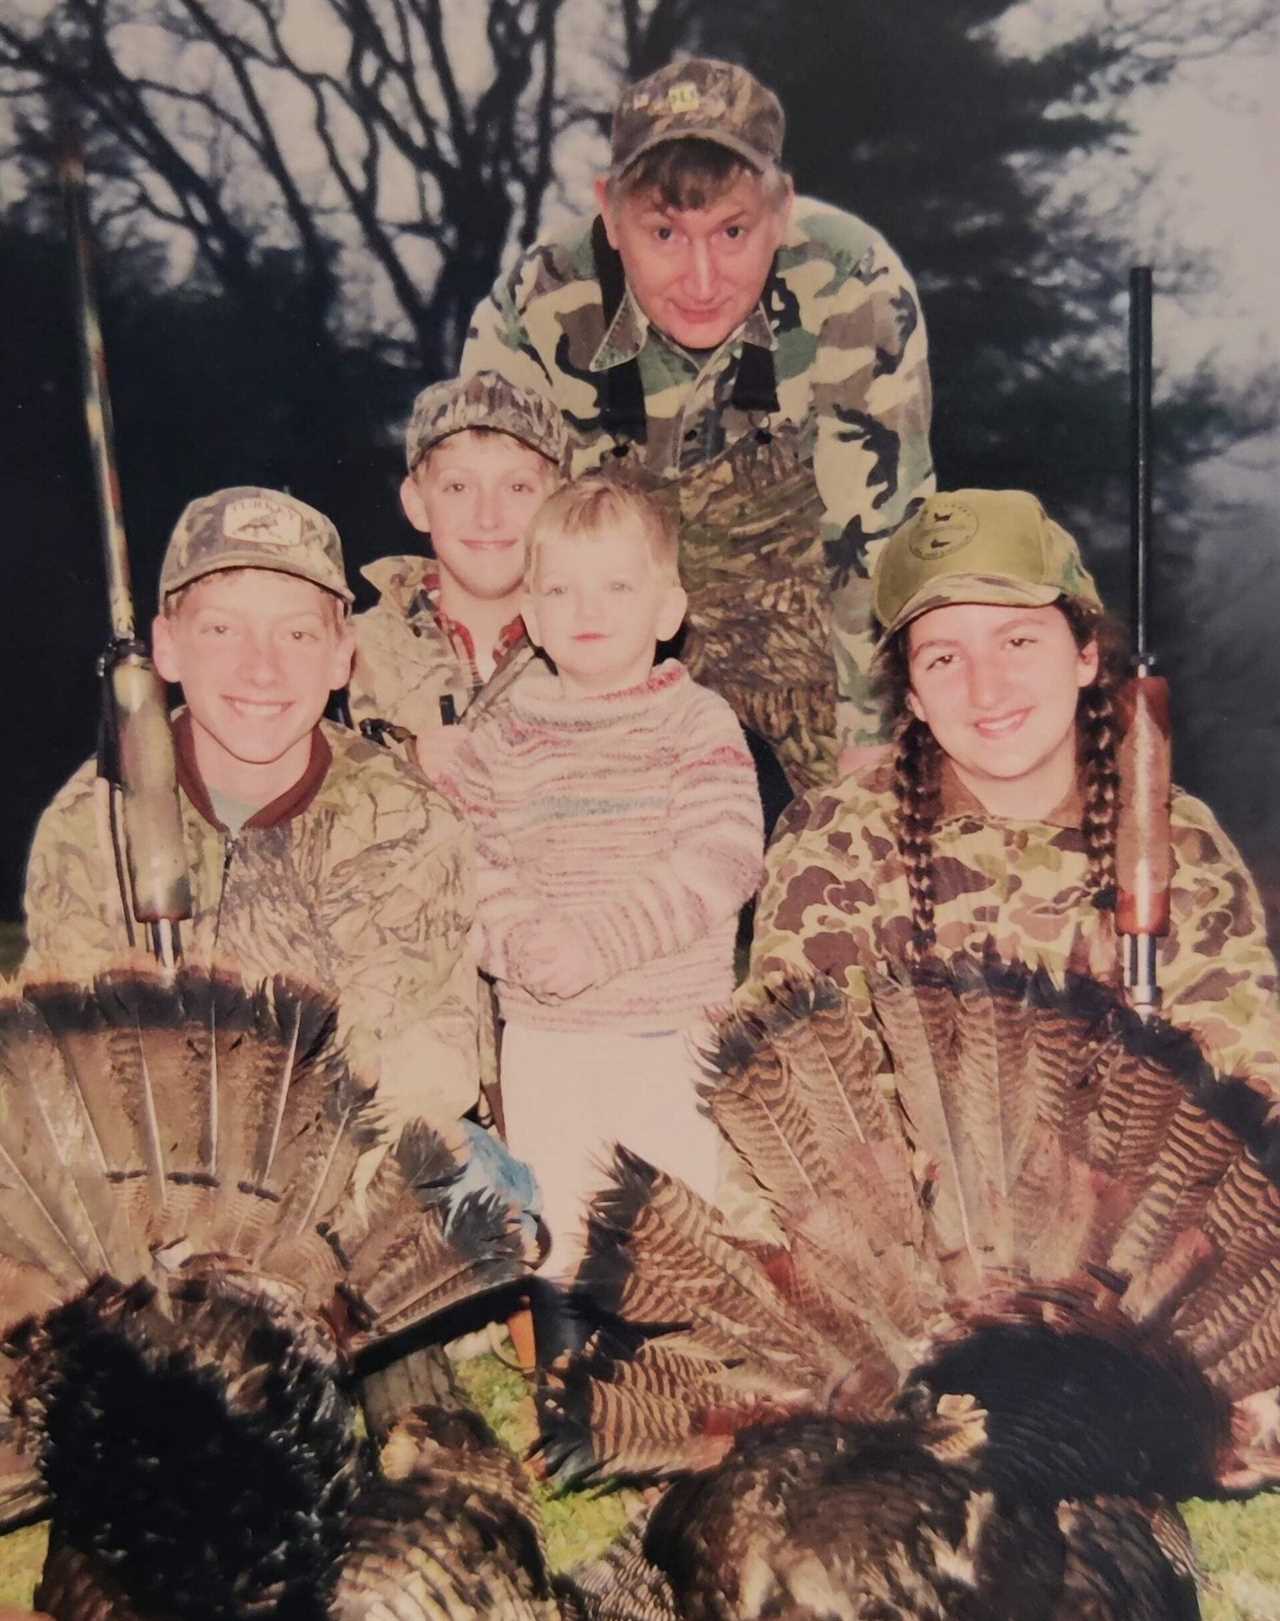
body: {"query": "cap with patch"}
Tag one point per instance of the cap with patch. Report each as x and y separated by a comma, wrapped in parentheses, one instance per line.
(996, 546)
(248, 527)
(485, 400)
(700, 98)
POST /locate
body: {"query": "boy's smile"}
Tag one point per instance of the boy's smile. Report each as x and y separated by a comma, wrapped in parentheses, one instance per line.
(257, 654)
(598, 606)
(474, 494)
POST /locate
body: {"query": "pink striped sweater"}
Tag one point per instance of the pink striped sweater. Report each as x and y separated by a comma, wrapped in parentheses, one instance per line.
(632, 818)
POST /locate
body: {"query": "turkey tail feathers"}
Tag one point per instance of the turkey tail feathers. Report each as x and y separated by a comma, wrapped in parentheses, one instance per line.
(978, 1152)
(154, 1127)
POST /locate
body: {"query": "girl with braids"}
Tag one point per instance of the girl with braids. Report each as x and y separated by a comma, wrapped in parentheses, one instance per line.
(994, 827)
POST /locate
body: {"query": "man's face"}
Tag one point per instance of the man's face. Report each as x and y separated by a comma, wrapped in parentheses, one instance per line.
(257, 654)
(697, 273)
(474, 494)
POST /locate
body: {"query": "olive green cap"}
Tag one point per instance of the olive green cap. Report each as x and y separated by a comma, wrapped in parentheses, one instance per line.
(996, 546)
(249, 527)
(699, 98)
(485, 400)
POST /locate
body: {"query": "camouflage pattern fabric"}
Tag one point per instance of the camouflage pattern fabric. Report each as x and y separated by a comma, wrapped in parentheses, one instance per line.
(406, 662)
(836, 899)
(368, 891)
(850, 356)
(753, 563)
(699, 98)
(485, 400)
(249, 527)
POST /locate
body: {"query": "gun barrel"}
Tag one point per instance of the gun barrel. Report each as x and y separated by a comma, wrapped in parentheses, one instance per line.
(1143, 838)
(97, 404)
(1140, 368)
(159, 886)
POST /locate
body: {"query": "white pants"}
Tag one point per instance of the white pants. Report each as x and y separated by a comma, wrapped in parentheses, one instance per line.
(569, 1098)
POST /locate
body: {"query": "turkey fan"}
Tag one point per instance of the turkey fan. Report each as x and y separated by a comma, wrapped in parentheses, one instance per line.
(198, 1237)
(1024, 1285)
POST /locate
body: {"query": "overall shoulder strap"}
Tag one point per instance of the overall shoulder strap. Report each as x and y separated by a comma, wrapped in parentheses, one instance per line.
(622, 411)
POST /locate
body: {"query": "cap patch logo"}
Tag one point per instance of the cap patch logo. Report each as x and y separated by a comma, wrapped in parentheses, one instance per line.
(946, 529)
(684, 97)
(262, 522)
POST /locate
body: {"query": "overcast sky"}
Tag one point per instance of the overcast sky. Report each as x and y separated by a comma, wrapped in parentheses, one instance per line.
(1210, 141)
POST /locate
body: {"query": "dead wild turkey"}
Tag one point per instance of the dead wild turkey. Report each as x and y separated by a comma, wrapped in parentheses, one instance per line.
(188, 1268)
(1023, 1294)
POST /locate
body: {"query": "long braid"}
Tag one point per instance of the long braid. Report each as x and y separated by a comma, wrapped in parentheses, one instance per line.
(1099, 737)
(915, 787)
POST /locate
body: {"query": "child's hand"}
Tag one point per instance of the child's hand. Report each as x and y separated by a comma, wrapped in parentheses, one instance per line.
(557, 962)
(436, 749)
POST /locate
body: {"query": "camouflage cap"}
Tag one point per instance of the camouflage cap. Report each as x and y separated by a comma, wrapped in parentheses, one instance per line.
(699, 98)
(485, 400)
(248, 527)
(997, 546)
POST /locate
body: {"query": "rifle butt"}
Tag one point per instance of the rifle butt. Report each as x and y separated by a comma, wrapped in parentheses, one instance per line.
(158, 876)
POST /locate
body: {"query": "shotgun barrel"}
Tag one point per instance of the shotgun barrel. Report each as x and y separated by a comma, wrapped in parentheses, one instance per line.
(1142, 833)
(137, 756)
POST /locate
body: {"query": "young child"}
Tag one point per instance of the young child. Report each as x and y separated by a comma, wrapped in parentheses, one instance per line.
(995, 827)
(618, 831)
(312, 853)
(482, 457)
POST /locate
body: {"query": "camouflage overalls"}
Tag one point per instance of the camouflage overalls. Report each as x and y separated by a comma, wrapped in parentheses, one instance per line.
(409, 659)
(836, 899)
(359, 879)
(793, 451)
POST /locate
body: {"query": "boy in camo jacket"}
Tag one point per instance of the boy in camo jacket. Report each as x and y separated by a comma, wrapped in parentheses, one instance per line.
(311, 852)
(482, 456)
(995, 826)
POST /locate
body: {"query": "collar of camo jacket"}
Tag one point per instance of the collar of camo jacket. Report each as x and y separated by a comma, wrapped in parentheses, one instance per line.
(412, 585)
(283, 808)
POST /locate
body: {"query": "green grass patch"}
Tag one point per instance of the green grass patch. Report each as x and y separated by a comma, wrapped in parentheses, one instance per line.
(580, 1524)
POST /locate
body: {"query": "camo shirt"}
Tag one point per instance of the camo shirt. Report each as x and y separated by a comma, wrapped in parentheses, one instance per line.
(358, 880)
(842, 318)
(409, 655)
(836, 899)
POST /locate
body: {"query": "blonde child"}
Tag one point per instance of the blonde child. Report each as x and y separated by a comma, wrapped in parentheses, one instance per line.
(618, 832)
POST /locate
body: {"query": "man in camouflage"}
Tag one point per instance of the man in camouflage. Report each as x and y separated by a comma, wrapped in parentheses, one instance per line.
(312, 852)
(446, 639)
(763, 360)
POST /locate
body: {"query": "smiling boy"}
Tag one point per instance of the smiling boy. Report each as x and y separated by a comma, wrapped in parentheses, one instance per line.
(482, 456)
(312, 853)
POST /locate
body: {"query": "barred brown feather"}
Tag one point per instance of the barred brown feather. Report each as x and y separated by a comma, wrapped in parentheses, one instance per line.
(988, 1187)
(191, 1264)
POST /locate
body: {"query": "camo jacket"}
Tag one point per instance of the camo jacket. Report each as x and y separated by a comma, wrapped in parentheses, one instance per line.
(407, 656)
(836, 899)
(842, 319)
(358, 880)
